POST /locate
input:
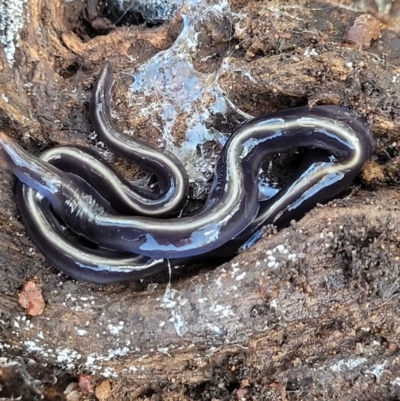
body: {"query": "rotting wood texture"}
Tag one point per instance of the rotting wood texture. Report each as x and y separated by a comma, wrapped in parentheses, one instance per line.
(310, 312)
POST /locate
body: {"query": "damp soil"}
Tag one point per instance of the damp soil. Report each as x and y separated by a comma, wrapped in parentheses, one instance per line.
(309, 312)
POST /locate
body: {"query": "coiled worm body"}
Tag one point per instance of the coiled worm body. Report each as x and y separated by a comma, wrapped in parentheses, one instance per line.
(119, 232)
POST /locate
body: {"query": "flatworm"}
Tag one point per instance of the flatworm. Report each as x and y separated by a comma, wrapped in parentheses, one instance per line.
(118, 231)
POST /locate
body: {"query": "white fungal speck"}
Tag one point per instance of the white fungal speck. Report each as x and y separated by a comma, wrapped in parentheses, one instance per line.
(32, 347)
(219, 282)
(115, 329)
(310, 51)
(163, 350)
(109, 372)
(216, 329)
(80, 332)
(241, 276)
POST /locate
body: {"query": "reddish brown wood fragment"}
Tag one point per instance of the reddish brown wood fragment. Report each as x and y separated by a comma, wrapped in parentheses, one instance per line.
(86, 383)
(31, 299)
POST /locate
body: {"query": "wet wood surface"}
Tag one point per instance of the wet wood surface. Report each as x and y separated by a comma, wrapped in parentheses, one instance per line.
(309, 312)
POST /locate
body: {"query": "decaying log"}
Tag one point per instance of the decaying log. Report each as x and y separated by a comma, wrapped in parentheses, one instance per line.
(309, 312)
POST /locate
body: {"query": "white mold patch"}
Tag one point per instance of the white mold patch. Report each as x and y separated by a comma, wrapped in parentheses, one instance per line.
(240, 276)
(377, 371)
(348, 364)
(11, 21)
(109, 372)
(173, 301)
(80, 332)
(279, 254)
(115, 329)
(221, 310)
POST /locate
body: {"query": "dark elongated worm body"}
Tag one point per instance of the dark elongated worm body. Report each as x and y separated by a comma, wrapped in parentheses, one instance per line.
(125, 231)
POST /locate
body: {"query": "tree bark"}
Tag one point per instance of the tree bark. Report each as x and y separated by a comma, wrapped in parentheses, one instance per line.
(309, 312)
